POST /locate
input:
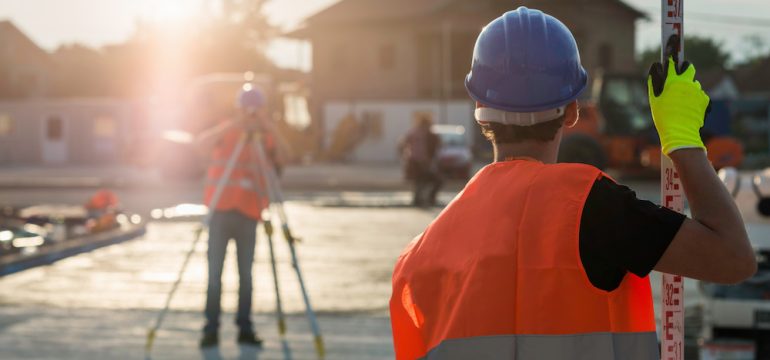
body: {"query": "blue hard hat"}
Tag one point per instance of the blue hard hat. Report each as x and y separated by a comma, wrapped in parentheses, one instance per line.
(525, 61)
(250, 98)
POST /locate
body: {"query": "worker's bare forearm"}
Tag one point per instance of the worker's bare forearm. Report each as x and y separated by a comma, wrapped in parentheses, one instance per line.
(710, 203)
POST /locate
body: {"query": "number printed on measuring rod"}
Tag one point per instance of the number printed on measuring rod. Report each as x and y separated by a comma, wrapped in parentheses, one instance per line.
(674, 16)
(674, 8)
(672, 185)
(672, 179)
(672, 291)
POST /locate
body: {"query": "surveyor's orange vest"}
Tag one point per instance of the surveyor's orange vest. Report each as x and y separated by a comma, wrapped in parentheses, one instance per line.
(498, 275)
(245, 191)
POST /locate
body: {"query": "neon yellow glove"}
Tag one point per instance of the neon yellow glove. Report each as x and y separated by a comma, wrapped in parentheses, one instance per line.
(678, 106)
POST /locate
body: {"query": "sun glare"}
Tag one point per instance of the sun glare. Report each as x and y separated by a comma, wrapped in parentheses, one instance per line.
(170, 11)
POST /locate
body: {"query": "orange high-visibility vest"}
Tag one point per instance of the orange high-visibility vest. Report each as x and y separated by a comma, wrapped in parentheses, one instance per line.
(102, 200)
(498, 275)
(245, 191)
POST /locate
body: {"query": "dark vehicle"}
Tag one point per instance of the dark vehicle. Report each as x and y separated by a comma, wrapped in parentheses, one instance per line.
(454, 158)
(14, 240)
(616, 129)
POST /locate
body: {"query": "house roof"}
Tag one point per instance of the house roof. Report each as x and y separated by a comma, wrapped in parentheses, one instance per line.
(364, 10)
(356, 11)
(712, 77)
(753, 78)
(637, 14)
(8, 29)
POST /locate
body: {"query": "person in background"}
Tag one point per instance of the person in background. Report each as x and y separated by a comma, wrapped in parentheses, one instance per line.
(238, 211)
(102, 209)
(418, 149)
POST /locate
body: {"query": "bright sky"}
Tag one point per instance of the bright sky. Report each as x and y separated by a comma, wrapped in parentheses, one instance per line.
(51, 23)
(729, 22)
(98, 22)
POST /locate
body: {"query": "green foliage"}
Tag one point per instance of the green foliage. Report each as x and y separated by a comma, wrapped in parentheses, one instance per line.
(754, 50)
(233, 41)
(704, 52)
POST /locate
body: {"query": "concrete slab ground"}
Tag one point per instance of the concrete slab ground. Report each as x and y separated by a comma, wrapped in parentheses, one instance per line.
(99, 305)
(53, 333)
(326, 176)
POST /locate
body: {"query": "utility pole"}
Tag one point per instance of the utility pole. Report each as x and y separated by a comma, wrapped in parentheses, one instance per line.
(672, 197)
(446, 70)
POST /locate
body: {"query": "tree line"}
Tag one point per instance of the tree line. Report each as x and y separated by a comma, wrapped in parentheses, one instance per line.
(232, 41)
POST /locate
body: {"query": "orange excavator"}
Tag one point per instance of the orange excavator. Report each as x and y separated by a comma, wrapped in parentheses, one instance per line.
(616, 130)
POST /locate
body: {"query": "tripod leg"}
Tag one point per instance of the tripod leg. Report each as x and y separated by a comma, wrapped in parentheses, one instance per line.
(278, 304)
(276, 200)
(151, 333)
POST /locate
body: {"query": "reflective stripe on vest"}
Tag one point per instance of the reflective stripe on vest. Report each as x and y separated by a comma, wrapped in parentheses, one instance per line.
(243, 183)
(221, 163)
(598, 346)
(503, 259)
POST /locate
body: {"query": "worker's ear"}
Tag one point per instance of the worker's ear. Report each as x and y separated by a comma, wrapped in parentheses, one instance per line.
(571, 114)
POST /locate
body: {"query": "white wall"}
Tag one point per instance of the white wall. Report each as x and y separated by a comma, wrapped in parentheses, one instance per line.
(397, 118)
(25, 143)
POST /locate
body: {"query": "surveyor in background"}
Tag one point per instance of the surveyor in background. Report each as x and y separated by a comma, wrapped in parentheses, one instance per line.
(418, 149)
(237, 212)
(538, 260)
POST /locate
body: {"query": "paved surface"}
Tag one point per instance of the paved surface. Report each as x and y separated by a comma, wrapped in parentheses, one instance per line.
(383, 176)
(99, 305)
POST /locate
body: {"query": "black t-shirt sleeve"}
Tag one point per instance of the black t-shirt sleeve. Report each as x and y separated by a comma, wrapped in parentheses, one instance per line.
(621, 233)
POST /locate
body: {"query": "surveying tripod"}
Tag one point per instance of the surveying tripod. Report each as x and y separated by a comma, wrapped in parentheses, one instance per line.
(269, 180)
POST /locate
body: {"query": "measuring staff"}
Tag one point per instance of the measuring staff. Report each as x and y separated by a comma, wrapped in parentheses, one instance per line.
(538, 260)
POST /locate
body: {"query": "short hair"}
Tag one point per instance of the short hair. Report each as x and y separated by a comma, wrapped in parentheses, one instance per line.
(511, 134)
(423, 119)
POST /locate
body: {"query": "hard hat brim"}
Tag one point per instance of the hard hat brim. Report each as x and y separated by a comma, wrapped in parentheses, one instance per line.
(533, 108)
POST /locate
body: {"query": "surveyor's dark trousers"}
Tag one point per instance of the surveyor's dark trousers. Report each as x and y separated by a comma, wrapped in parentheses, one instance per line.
(427, 183)
(226, 225)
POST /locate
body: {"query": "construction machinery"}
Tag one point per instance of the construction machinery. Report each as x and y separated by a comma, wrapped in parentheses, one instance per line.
(616, 130)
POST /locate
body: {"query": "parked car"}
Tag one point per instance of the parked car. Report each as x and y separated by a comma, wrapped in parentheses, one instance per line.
(454, 158)
(732, 321)
(24, 239)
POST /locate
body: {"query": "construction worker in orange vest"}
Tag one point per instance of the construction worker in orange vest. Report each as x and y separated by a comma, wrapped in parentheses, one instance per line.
(102, 209)
(538, 260)
(236, 213)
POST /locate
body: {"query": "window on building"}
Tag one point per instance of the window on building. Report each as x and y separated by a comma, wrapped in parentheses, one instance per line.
(105, 127)
(6, 124)
(54, 128)
(605, 56)
(387, 57)
(296, 111)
